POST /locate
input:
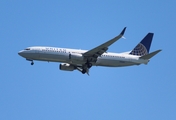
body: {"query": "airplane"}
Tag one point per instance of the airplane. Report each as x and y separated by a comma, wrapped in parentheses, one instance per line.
(83, 60)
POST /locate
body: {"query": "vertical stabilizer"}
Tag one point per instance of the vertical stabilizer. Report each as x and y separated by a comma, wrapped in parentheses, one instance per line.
(143, 47)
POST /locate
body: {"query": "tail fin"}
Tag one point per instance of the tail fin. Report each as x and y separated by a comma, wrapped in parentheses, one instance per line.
(143, 47)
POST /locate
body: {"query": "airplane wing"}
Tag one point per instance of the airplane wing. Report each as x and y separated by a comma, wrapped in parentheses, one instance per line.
(98, 51)
(93, 54)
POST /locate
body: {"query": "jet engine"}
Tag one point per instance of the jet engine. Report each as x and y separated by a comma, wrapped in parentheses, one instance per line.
(66, 67)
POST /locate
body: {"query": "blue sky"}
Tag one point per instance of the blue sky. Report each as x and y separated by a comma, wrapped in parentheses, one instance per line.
(43, 92)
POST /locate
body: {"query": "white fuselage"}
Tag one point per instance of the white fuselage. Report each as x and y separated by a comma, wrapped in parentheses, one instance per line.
(74, 56)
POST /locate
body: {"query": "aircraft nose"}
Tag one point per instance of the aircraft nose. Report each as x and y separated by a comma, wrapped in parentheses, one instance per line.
(20, 53)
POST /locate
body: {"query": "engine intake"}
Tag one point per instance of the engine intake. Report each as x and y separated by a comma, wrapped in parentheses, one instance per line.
(66, 67)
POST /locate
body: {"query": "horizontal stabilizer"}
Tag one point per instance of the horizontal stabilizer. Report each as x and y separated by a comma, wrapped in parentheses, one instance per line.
(150, 55)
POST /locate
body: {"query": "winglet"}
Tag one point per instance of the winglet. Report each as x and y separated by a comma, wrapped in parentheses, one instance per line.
(123, 31)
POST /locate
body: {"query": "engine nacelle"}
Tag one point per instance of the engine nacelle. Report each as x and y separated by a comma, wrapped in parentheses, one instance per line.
(66, 67)
(76, 57)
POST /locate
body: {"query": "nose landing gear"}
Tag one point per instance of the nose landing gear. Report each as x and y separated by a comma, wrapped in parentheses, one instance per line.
(32, 63)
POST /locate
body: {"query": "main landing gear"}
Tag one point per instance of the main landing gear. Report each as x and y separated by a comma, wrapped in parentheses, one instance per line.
(83, 71)
(86, 67)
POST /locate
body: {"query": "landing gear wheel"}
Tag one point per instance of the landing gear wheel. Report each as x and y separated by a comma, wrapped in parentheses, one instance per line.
(83, 71)
(89, 65)
(32, 63)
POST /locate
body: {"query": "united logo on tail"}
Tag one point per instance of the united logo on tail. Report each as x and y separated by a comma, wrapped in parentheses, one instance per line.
(143, 47)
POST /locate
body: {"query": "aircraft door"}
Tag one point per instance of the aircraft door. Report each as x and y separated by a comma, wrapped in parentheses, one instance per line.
(38, 52)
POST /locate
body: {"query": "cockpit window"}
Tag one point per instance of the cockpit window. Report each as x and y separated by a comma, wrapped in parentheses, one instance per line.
(27, 49)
